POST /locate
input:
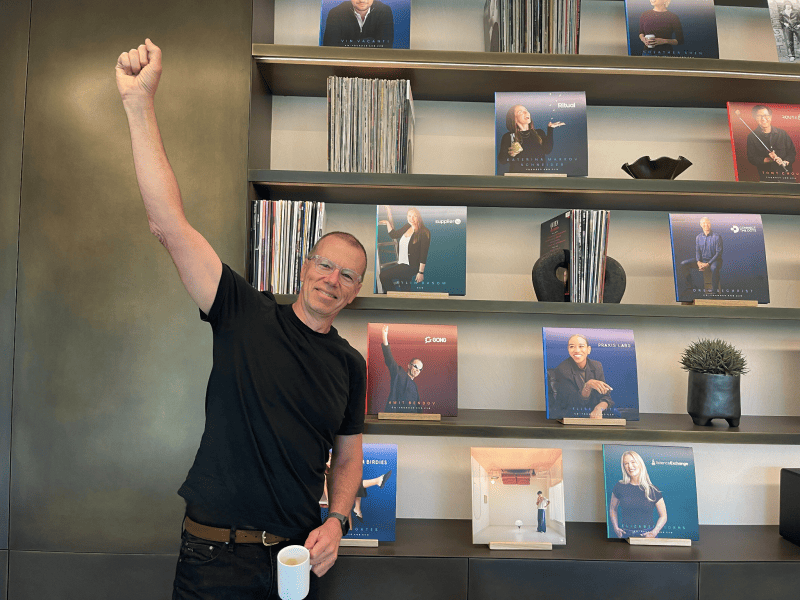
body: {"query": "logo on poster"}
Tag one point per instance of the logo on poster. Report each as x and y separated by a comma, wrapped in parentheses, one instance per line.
(435, 340)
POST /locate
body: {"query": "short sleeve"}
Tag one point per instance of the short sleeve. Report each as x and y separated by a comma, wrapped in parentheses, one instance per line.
(234, 297)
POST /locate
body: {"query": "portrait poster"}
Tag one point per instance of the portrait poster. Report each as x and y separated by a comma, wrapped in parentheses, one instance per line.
(719, 256)
(764, 139)
(785, 18)
(518, 495)
(541, 133)
(421, 249)
(387, 24)
(686, 28)
(416, 372)
(600, 362)
(375, 511)
(651, 491)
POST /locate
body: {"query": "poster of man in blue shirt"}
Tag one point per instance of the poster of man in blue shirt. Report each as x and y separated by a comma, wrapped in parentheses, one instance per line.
(708, 256)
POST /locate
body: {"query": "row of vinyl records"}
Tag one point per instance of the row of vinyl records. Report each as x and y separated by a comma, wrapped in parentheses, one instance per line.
(420, 249)
(370, 125)
(532, 26)
(518, 494)
(371, 130)
(685, 28)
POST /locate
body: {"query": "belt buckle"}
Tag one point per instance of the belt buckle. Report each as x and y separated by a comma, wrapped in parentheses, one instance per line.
(264, 539)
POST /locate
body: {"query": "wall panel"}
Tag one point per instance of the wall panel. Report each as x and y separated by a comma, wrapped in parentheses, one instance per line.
(14, 27)
(111, 357)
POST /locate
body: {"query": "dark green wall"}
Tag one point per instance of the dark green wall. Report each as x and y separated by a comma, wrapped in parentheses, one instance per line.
(111, 359)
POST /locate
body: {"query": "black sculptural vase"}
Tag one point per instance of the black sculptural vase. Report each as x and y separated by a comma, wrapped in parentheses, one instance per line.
(660, 168)
(549, 287)
(713, 396)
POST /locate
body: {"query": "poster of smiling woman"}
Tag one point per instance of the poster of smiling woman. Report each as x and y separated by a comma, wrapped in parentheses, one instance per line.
(672, 28)
(590, 373)
(651, 492)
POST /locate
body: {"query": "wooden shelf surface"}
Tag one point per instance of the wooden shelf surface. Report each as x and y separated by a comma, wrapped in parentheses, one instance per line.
(440, 538)
(458, 305)
(652, 427)
(475, 76)
(530, 192)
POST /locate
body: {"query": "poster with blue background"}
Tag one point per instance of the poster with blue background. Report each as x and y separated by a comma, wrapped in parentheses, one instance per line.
(338, 20)
(610, 357)
(651, 491)
(732, 256)
(685, 28)
(525, 142)
(434, 236)
(375, 512)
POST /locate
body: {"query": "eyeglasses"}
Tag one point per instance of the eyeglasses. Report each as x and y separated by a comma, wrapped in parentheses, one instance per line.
(413, 366)
(347, 277)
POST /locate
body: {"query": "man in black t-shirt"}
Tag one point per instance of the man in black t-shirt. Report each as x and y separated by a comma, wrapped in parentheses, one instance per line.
(283, 390)
(770, 148)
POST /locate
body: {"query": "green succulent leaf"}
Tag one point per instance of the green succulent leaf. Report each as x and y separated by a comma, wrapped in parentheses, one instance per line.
(716, 357)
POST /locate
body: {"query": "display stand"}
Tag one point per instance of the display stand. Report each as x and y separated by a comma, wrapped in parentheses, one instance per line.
(659, 542)
(410, 416)
(359, 543)
(425, 295)
(593, 422)
(712, 302)
(520, 546)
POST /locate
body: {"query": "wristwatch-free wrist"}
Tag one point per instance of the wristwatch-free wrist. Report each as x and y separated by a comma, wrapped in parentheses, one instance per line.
(343, 521)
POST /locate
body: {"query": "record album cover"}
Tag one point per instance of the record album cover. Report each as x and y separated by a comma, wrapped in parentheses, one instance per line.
(375, 511)
(541, 133)
(421, 249)
(365, 23)
(518, 495)
(651, 492)
(764, 138)
(412, 369)
(719, 256)
(785, 18)
(685, 28)
(590, 373)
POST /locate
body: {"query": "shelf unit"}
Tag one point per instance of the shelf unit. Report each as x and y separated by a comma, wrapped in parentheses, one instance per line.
(449, 76)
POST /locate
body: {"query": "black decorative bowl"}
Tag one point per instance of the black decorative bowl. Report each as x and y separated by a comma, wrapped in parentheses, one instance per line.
(661, 168)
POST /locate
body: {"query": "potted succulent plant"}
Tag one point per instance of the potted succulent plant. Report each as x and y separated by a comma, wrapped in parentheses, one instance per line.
(715, 369)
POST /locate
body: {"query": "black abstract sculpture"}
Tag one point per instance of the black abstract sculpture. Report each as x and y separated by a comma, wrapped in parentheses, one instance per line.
(549, 287)
(661, 168)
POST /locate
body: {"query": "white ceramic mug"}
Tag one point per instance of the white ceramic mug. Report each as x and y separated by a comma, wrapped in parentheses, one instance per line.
(294, 573)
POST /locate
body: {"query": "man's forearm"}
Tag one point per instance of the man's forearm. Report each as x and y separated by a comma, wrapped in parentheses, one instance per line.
(344, 480)
(157, 183)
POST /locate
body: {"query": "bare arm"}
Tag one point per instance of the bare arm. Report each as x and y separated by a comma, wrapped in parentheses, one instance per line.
(138, 73)
(343, 480)
(661, 508)
(612, 515)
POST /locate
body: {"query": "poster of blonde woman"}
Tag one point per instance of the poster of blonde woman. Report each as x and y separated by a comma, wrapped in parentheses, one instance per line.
(651, 492)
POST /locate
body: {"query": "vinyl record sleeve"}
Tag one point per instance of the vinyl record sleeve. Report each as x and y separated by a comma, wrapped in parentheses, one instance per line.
(610, 358)
(733, 250)
(518, 495)
(785, 19)
(558, 150)
(338, 16)
(375, 512)
(433, 390)
(751, 144)
(692, 24)
(637, 509)
(439, 243)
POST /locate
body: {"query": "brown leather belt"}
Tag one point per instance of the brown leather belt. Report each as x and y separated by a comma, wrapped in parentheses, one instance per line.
(243, 536)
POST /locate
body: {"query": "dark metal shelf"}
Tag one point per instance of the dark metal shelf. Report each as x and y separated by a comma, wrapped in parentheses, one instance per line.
(476, 76)
(566, 308)
(532, 424)
(439, 538)
(534, 192)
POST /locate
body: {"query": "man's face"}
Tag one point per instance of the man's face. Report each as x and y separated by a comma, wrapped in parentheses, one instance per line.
(764, 120)
(414, 368)
(706, 225)
(361, 6)
(324, 295)
(578, 349)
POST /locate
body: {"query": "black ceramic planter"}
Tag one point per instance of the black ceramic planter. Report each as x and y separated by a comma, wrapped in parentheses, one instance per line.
(714, 397)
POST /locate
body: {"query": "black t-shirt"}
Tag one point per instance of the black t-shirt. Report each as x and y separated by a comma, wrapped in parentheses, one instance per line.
(277, 396)
(403, 391)
(635, 511)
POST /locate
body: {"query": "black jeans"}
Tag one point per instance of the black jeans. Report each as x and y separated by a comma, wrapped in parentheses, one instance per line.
(215, 571)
